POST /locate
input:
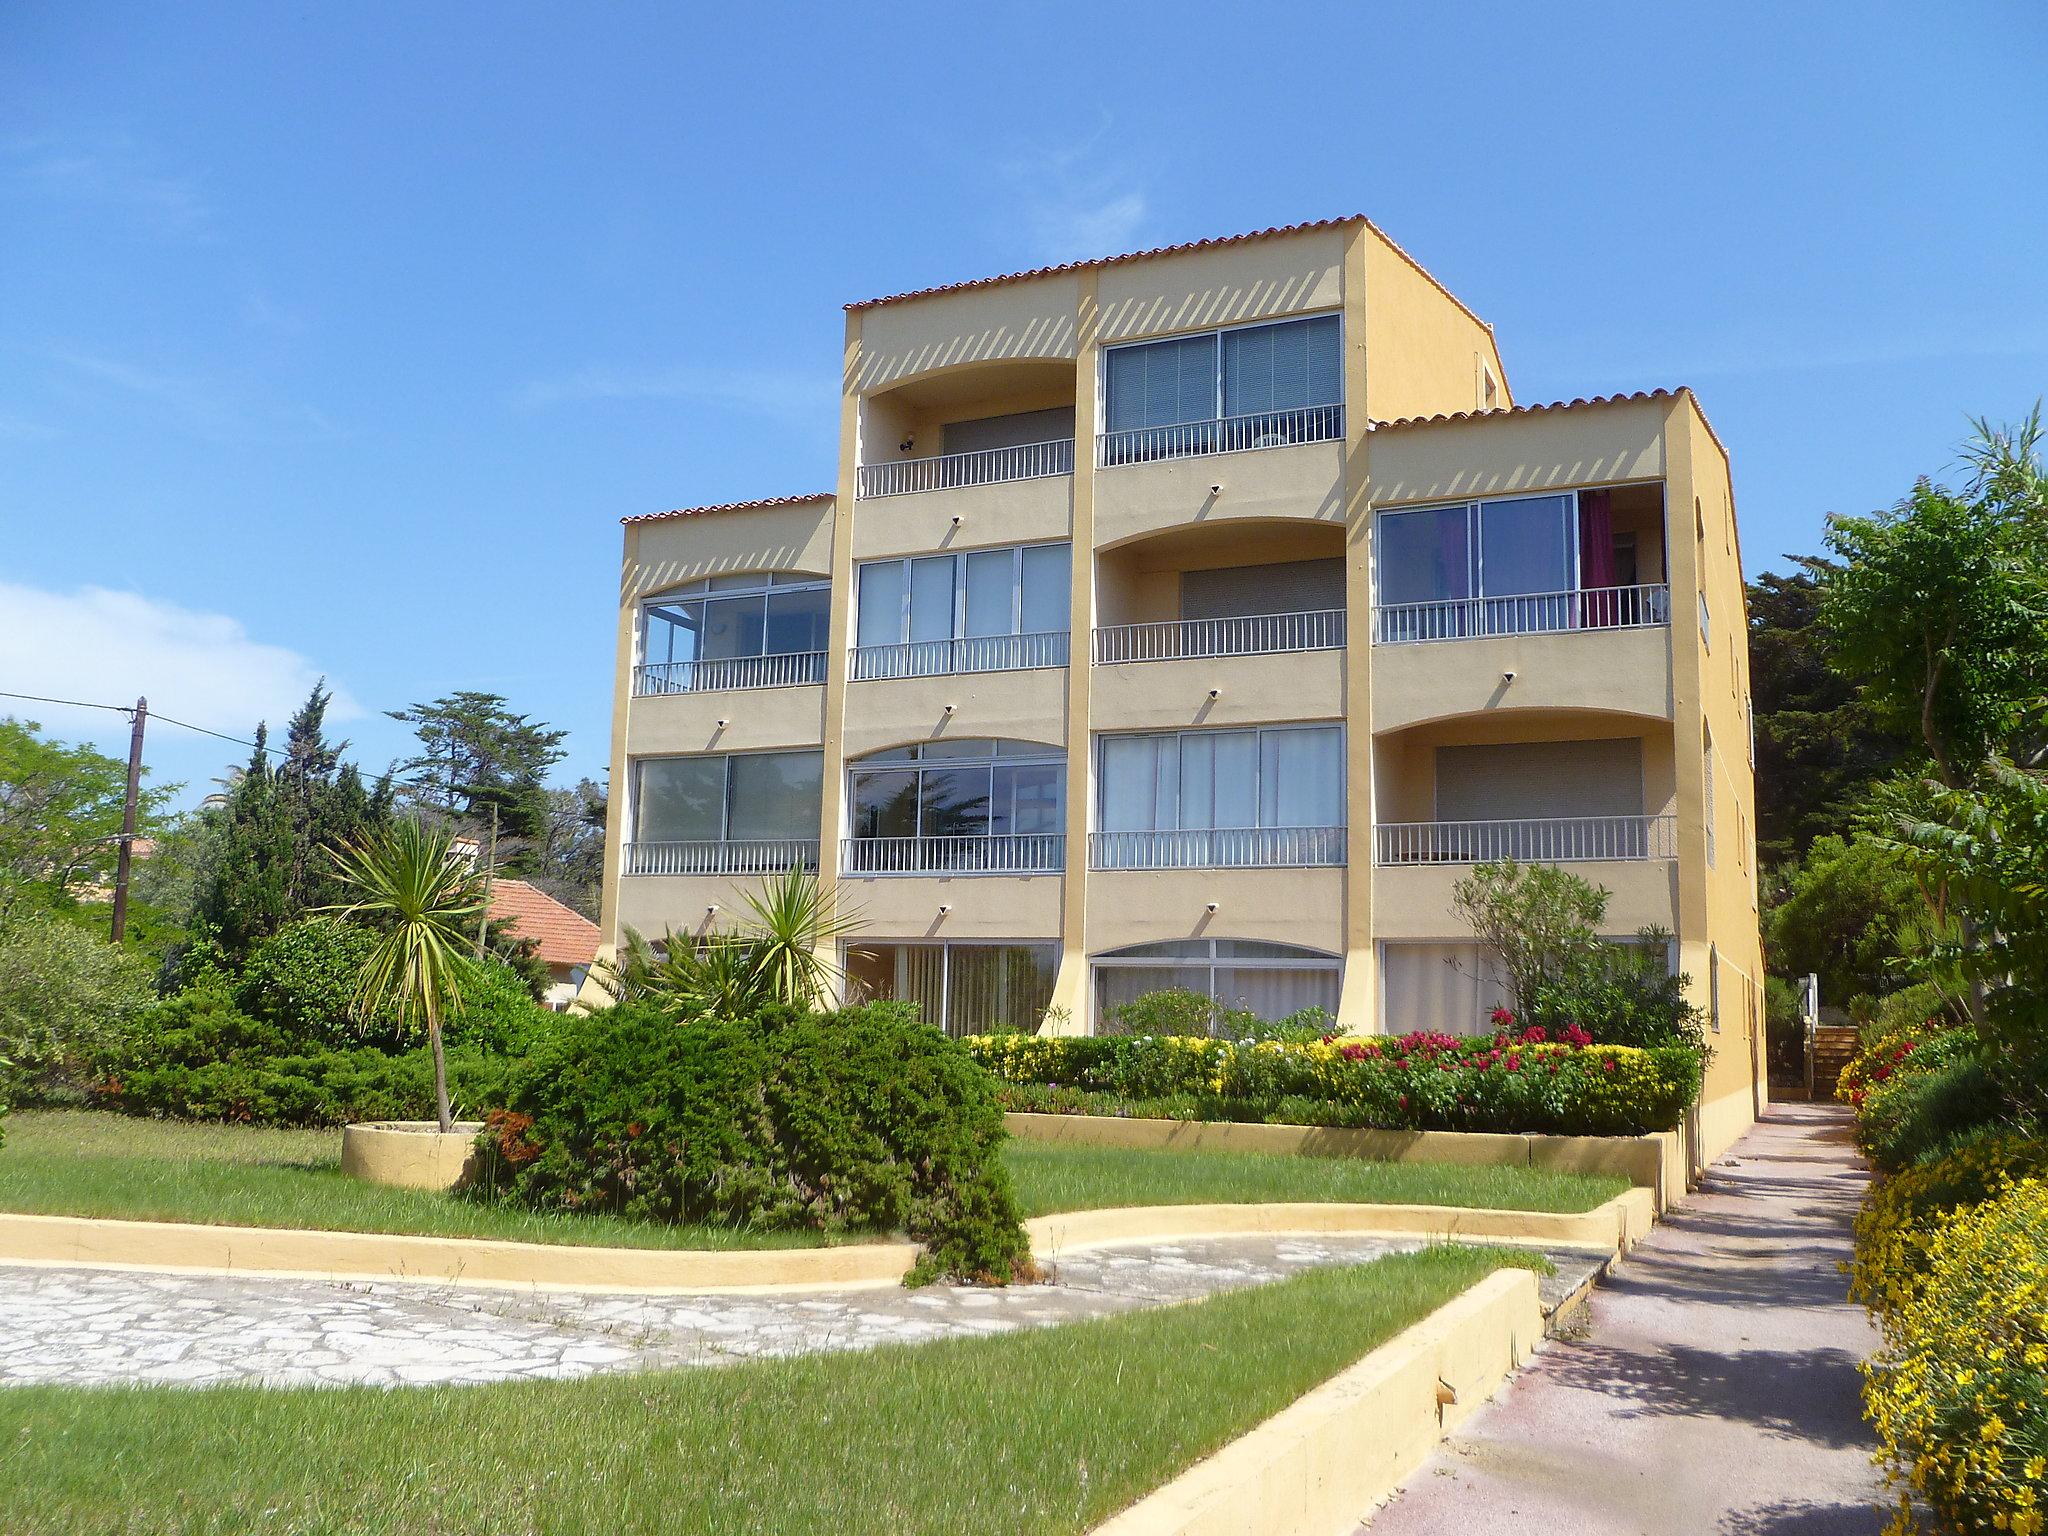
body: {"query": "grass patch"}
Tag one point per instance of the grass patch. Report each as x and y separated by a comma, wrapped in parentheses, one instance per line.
(89, 1163)
(1052, 1178)
(1048, 1430)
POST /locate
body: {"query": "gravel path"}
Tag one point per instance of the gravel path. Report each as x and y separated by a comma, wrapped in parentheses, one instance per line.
(98, 1327)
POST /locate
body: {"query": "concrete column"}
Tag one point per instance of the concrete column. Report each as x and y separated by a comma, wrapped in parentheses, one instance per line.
(1358, 1002)
(620, 788)
(1070, 991)
(839, 635)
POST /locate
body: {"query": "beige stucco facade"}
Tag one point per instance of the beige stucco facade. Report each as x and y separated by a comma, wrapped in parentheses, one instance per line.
(1159, 527)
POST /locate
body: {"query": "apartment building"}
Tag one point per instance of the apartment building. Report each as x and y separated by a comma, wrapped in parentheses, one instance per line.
(1198, 617)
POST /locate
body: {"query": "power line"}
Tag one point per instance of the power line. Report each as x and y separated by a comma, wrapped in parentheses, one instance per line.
(129, 709)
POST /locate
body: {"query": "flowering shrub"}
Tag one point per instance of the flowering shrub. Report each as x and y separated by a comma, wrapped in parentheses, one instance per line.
(1883, 1057)
(1959, 1392)
(1902, 1213)
(1422, 1081)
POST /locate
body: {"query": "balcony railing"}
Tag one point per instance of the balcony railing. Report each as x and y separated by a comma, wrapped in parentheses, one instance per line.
(767, 856)
(1253, 635)
(1533, 613)
(726, 673)
(1218, 848)
(1552, 840)
(986, 466)
(1232, 434)
(971, 653)
(1023, 853)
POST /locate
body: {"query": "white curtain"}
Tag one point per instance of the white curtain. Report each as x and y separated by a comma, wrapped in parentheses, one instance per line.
(1302, 778)
(1452, 988)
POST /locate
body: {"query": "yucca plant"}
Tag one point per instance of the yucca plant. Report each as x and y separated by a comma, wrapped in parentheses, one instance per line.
(796, 921)
(422, 900)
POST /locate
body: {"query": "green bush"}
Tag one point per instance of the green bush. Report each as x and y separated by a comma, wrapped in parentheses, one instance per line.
(1948, 1093)
(1178, 1011)
(864, 1119)
(197, 1057)
(1415, 1082)
(1621, 994)
(303, 978)
(66, 995)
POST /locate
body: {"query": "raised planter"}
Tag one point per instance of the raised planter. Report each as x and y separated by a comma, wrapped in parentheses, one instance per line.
(1655, 1162)
(410, 1154)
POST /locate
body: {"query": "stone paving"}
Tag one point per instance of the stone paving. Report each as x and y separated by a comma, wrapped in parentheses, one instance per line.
(86, 1327)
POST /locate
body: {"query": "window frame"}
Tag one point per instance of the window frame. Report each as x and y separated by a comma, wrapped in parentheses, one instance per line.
(701, 590)
(1127, 957)
(1475, 546)
(1257, 732)
(725, 837)
(958, 612)
(1216, 395)
(919, 765)
(946, 947)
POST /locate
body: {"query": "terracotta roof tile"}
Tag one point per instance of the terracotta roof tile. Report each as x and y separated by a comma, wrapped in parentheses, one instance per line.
(1174, 250)
(1561, 405)
(564, 936)
(728, 506)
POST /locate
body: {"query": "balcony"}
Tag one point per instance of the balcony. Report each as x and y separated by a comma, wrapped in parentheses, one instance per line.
(950, 471)
(972, 653)
(726, 674)
(772, 856)
(1230, 434)
(1219, 848)
(1253, 635)
(1549, 840)
(1036, 853)
(1533, 613)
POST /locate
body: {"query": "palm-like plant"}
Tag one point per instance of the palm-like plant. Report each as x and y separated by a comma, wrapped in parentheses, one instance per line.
(423, 901)
(778, 956)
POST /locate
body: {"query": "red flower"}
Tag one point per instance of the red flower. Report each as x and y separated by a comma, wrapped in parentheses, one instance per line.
(1606, 1063)
(1535, 1034)
(1502, 1018)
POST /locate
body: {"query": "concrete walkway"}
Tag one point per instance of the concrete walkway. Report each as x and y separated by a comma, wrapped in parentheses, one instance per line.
(82, 1327)
(1713, 1385)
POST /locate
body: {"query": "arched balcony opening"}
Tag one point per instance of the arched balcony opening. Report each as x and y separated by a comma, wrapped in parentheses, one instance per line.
(1230, 588)
(978, 424)
(1537, 786)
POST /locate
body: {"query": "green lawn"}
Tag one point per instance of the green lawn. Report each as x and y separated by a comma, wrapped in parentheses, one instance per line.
(1046, 1430)
(85, 1163)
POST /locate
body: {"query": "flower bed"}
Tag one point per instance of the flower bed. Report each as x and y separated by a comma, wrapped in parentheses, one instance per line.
(1524, 1083)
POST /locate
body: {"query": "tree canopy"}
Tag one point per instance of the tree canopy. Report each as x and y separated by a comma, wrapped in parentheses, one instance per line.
(60, 816)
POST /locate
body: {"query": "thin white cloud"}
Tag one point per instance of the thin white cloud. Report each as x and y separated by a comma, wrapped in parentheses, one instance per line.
(117, 174)
(766, 391)
(201, 405)
(1076, 200)
(108, 647)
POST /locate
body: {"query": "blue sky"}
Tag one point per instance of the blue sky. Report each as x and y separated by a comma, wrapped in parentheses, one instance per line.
(335, 339)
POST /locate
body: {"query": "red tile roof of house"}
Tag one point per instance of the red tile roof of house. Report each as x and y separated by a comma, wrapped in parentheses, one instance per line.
(564, 936)
(1173, 250)
(729, 506)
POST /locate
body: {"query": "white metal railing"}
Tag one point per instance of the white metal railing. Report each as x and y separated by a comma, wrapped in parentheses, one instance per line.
(728, 672)
(1232, 434)
(1022, 853)
(1252, 635)
(985, 466)
(1550, 840)
(1218, 848)
(1531, 613)
(970, 653)
(759, 856)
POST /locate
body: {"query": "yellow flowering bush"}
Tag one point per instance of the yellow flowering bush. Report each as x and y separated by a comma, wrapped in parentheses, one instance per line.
(1959, 1392)
(1903, 1212)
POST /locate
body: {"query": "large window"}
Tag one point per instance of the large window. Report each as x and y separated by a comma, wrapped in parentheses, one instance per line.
(1182, 799)
(1514, 565)
(1270, 980)
(958, 807)
(965, 989)
(1255, 386)
(735, 632)
(720, 813)
(981, 611)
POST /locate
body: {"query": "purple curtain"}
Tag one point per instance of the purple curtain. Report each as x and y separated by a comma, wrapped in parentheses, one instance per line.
(1600, 607)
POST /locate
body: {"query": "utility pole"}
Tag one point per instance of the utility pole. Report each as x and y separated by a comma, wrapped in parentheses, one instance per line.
(141, 717)
(483, 924)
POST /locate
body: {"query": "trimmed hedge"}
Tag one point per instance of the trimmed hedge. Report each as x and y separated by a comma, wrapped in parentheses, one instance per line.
(861, 1120)
(1422, 1081)
(197, 1057)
